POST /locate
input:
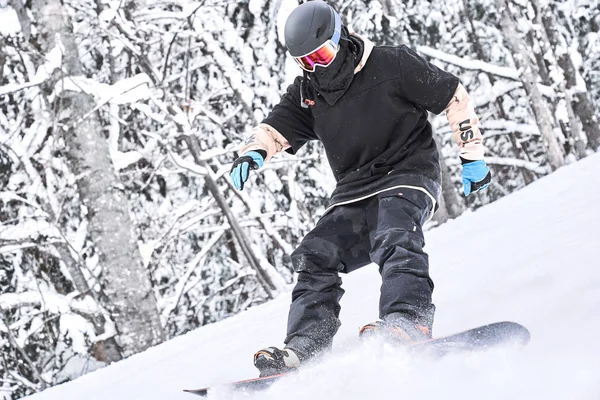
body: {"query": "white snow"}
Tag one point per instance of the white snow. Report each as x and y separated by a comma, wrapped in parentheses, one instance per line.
(531, 257)
(10, 21)
(53, 62)
(126, 91)
(285, 9)
(49, 301)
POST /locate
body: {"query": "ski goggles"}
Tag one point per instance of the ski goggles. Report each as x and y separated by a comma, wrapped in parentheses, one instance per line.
(324, 54)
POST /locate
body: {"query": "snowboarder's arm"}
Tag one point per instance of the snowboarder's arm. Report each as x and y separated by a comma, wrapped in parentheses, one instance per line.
(265, 137)
(287, 127)
(290, 120)
(465, 125)
(423, 83)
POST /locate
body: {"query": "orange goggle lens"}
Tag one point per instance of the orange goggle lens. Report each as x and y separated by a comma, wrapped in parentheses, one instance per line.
(322, 56)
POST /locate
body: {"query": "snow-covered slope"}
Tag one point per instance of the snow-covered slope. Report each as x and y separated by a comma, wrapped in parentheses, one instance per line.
(532, 257)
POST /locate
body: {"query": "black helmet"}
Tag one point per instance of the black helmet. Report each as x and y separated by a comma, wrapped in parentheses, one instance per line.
(309, 26)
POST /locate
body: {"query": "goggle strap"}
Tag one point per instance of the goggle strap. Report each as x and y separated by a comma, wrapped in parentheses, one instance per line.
(337, 30)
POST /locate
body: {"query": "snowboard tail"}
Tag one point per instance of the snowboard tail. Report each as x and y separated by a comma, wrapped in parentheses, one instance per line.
(480, 338)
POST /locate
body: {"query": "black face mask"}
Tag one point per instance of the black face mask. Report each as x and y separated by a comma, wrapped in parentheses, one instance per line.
(333, 81)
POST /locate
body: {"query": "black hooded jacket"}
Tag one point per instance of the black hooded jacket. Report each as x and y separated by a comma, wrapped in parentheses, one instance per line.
(376, 135)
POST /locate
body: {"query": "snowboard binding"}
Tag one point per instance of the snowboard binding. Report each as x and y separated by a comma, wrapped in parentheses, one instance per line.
(274, 361)
(403, 333)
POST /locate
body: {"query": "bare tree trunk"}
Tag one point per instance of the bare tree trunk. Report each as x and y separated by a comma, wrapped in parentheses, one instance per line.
(441, 215)
(106, 350)
(529, 79)
(581, 102)
(455, 204)
(547, 62)
(584, 109)
(2, 60)
(451, 204)
(125, 282)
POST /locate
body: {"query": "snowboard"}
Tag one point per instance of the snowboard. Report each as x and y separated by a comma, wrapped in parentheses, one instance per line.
(480, 338)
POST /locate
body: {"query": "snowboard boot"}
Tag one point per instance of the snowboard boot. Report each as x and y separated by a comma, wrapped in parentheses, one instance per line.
(274, 361)
(398, 331)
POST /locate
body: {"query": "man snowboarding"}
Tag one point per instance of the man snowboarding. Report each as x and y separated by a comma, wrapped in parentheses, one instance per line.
(368, 105)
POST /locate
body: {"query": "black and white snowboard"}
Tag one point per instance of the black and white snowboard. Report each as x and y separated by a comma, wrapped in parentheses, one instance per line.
(480, 338)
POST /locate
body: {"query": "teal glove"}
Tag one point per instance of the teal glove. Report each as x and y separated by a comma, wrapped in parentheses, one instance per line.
(476, 176)
(239, 170)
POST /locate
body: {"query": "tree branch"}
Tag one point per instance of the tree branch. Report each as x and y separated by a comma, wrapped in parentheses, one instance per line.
(180, 287)
(468, 63)
(263, 276)
(48, 301)
(478, 65)
(34, 370)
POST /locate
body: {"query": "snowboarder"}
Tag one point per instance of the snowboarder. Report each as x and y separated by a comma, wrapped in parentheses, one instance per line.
(368, 105)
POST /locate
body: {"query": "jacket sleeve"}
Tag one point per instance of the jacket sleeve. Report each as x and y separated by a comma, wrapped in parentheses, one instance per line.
(465, 125)
(265, 137)
(423, 83)
(293, 122)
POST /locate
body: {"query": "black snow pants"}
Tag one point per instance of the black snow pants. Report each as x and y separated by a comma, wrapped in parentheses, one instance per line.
(384, 229)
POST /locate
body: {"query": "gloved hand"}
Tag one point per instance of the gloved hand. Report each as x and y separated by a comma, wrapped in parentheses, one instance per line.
(476, 176)
(253, 159)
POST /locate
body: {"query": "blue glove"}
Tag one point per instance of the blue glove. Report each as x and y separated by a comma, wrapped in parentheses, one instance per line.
(476, 176)
(241, 166)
